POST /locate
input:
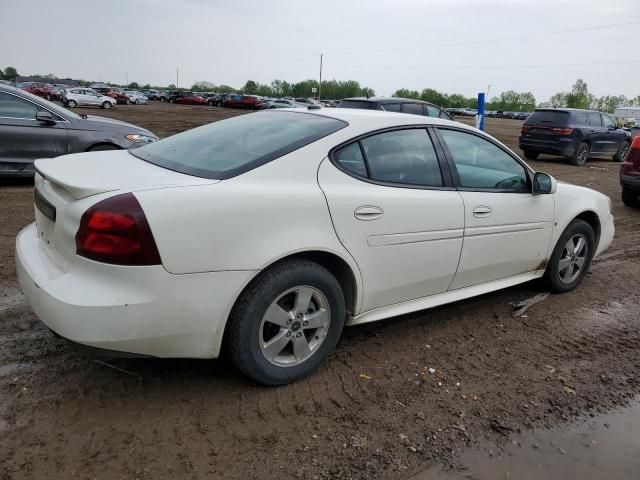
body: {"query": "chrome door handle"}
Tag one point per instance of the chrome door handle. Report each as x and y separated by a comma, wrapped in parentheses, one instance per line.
(368, 212)
(482, 211)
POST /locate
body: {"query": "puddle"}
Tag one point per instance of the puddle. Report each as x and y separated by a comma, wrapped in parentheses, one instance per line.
(606, 447)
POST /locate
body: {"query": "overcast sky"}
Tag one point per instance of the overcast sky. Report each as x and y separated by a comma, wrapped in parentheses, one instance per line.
(373, 41)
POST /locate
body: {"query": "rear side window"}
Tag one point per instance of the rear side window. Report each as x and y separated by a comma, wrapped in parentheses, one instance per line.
(607, 121)
(579, 118)
(405, 157)
(230, 147)
(350, 158)
(595, 120)
(548, 118)
(356, 104)
(413, 108)
(391, 107)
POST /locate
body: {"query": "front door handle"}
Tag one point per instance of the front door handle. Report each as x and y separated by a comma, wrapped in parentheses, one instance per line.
(368, 212)
(482, 211)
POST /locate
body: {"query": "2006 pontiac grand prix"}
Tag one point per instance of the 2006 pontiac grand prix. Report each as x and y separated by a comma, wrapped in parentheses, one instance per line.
(269, 232)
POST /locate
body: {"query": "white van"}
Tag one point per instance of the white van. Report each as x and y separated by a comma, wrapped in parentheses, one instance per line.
(628, 116)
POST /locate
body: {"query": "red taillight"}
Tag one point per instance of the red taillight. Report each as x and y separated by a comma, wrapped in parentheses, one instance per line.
(525, 128)
(562, 131)
(116, 231)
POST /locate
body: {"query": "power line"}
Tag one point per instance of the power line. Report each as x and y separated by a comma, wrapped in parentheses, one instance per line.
(493, 40)
(483, 67)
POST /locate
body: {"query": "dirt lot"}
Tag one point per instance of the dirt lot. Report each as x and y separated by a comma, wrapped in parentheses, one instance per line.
(374, 410)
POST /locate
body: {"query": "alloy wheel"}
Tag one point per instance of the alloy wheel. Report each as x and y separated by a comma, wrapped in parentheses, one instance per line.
(573, 258)
(294, 326)
(583, 153)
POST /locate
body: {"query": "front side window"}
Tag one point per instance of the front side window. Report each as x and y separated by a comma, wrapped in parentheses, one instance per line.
(404, 157)
(432, 111)
(483, 165)
(606, 120)
(230, 147)
(15, 107)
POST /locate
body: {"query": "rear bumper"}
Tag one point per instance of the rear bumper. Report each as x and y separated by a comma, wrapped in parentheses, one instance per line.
(563, 147)
(139, 310)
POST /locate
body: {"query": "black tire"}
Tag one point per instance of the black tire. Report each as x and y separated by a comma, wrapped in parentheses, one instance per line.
(623, 151)
(72, 104)
(162, 99)
(529, 155)
(106, 105)
(48, 97)
(171, 100)
(630, 197)
(552, 277)
(581, 155)
(102, 148)
(245, 334)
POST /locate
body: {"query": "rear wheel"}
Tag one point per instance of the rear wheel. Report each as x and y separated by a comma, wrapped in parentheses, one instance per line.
(571, 258)
(106, 105)
(286, 323)
(623, 151)
(528, 154)
(72, 103)
(630, 197)
(581, 155)
(48, 96)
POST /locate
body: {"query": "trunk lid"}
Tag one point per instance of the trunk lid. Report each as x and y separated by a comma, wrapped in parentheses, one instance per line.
(545, 125)
(85, 174)
(64, 187)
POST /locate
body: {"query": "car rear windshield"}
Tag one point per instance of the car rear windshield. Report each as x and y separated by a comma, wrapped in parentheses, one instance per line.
(230, 147)
(357, 104)
(547, 117)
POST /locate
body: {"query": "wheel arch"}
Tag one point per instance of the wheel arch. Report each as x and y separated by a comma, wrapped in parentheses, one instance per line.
(102, 144)
(591, 217)
(334, 263)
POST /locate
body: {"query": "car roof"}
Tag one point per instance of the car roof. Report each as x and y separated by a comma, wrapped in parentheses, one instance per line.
(567, 110)
(368, 120)
(383, 100)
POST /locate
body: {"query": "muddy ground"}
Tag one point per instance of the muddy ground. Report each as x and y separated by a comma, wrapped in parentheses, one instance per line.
(373, 411)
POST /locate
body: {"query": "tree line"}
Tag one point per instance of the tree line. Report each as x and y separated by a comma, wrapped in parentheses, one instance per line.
(578, 97)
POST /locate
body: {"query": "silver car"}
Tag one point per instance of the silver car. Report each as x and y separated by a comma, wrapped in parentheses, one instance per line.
(137, 98)
(74, 97)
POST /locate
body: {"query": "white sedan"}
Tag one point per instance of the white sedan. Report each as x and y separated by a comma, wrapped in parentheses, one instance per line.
(268, 233)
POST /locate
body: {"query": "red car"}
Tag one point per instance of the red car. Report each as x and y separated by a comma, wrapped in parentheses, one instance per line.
(187, 98)
(37, 88)
(630, 175)
(251, 102)
(113, 92)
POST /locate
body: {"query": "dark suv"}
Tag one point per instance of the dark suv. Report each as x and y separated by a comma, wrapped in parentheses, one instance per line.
(630, 175)
(574, 134)
(404, 105)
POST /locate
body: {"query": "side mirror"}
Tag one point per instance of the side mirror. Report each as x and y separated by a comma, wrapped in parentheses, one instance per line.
(45, 116)
(544, 184)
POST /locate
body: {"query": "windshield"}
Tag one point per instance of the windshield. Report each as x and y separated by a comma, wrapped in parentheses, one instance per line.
(548, 117)
(230, 147)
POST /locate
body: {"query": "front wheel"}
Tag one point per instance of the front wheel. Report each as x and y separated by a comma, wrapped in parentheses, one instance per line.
(571, 258)
(623, 151)
(72, 104)
(581, 155)
(529, 155)
(286, 323)
(106, 105)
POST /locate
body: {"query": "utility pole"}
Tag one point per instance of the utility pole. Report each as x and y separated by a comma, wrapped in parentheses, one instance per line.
(176, 77)
(320, 82)
(127, 78)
